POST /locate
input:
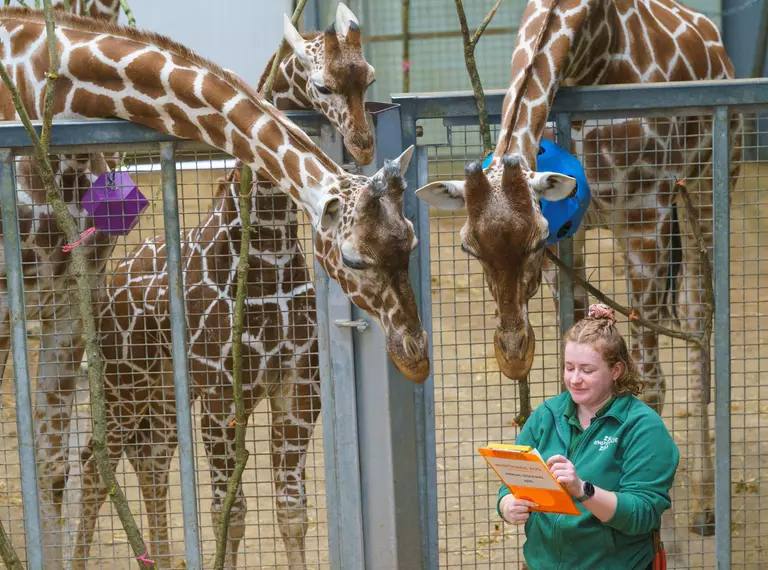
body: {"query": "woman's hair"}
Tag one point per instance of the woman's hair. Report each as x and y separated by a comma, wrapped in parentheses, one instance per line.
(598, 329)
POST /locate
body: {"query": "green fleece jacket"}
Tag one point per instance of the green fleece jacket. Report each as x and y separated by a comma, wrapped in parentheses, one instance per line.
(627, 450)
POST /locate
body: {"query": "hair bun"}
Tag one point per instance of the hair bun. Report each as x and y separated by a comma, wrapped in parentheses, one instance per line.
(600, 311)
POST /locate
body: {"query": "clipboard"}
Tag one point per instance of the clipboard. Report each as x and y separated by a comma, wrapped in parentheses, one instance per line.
(526, 474)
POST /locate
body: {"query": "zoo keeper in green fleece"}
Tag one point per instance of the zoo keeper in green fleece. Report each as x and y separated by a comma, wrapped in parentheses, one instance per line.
(609, 450)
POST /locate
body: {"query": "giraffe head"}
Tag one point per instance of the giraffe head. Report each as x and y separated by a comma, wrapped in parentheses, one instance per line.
(329, 72)
(506, 232)
(364, 242)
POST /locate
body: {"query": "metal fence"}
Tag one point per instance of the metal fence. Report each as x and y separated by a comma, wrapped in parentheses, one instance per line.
(393, 477)
(475, 404)
(183, 182)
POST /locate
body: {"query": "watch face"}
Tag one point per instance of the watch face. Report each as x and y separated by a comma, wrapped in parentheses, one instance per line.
(589, 489)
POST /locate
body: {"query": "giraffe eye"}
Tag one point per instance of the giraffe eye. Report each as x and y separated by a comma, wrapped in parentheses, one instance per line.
(322, 89)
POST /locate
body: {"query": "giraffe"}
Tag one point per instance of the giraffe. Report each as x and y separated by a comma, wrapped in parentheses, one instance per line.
(280, 362)
(108, 10)
(631, 166)
(362, 239)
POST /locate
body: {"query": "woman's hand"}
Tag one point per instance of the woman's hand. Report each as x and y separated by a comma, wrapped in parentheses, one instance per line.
(515, 511)
(565, 473)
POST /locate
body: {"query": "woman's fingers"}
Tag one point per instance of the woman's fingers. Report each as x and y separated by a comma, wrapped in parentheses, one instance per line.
(525, 503)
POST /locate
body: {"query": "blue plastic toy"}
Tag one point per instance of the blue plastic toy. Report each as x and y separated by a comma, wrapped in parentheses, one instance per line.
(563, 216)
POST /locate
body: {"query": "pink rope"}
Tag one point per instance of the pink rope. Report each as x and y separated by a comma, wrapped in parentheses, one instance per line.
(70, 246)
(145, 560)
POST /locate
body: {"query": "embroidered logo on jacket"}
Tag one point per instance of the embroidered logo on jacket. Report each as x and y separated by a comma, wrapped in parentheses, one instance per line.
(605, 442)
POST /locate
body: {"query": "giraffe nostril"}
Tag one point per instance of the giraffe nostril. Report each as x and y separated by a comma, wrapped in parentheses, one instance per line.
(410, 347)
(522, 343)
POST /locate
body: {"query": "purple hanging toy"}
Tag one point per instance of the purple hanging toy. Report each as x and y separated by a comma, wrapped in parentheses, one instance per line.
(115, 203)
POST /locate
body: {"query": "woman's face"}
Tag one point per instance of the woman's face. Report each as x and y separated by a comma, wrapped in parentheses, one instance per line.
(587, 376)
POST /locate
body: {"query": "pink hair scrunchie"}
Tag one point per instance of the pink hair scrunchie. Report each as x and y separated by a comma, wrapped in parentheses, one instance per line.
(600, 311)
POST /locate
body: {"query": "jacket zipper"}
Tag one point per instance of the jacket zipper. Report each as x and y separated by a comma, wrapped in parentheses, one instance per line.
(571, 459)
(584, 438)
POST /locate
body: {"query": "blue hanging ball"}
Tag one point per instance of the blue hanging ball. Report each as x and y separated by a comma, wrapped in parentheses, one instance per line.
(563, 216)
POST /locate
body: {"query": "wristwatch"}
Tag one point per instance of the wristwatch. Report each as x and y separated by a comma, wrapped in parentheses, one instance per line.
(589, 492)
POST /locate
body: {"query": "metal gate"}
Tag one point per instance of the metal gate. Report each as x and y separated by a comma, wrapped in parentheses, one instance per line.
(474, 403)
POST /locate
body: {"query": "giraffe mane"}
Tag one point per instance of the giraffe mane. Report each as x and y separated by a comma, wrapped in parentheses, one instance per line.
(87, 24)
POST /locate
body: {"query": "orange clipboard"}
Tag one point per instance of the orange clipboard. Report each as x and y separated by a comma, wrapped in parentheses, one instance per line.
(523, 470)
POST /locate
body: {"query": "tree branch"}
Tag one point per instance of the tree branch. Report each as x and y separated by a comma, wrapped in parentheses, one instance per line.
(474, 76)
(128, 13)
(68, 225)
(7, 553)
(701, 340)
(485, 23)
(280, 54)
(405, 17)
(241, 418)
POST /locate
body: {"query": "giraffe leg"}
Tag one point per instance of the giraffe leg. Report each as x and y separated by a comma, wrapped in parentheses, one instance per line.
(550, 273)
(645, 298)
(94, 493)
(295, 406)
(218, 411)
(150, 454)
(60, 353)
(699, 452)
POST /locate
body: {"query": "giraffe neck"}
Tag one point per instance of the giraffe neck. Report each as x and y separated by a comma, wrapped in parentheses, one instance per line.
(542, 54)
(109, 71)
(108, 10)
(289, 90)
(590, 42)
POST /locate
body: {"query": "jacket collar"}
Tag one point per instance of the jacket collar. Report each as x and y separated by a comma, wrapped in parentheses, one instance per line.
(557, 405)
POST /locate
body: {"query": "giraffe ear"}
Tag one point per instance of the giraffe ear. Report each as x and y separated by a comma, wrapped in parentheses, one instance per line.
(298, 44)
(331, 212)
(344, 20)
(552, 186)
(447, 195)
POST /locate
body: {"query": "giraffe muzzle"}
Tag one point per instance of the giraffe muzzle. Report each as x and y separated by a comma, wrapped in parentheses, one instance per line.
(514, 352)
(410, 353)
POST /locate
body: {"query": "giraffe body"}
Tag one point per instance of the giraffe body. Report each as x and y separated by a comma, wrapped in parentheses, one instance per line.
(279, 363)
(631, 166)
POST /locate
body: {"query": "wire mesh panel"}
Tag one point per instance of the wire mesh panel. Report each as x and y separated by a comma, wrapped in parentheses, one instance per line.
(279, 503)
(639, 250)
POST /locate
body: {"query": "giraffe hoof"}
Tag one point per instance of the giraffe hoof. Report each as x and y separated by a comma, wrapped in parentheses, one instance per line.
(703, 523)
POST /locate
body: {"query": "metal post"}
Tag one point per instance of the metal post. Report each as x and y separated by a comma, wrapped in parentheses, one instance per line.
(565, 247)
(179, 351)
(394, 418)
(722, 244)
(339, 407)
(21, 381)
(425, 394)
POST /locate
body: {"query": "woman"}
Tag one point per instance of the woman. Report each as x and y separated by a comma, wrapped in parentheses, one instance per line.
(608, 449)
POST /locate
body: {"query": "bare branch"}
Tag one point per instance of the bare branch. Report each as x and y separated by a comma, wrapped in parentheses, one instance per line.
(474, 76)
(7, 553)
(241, 418)
(128, 13)
(702, 339)
(485, 23)
(280, 54)
(68, 225)
(629, 313)
(405, 16)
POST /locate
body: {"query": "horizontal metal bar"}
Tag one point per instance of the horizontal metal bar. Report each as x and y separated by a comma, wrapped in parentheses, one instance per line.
(604, 99)
(506, 31)
(93, 132)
